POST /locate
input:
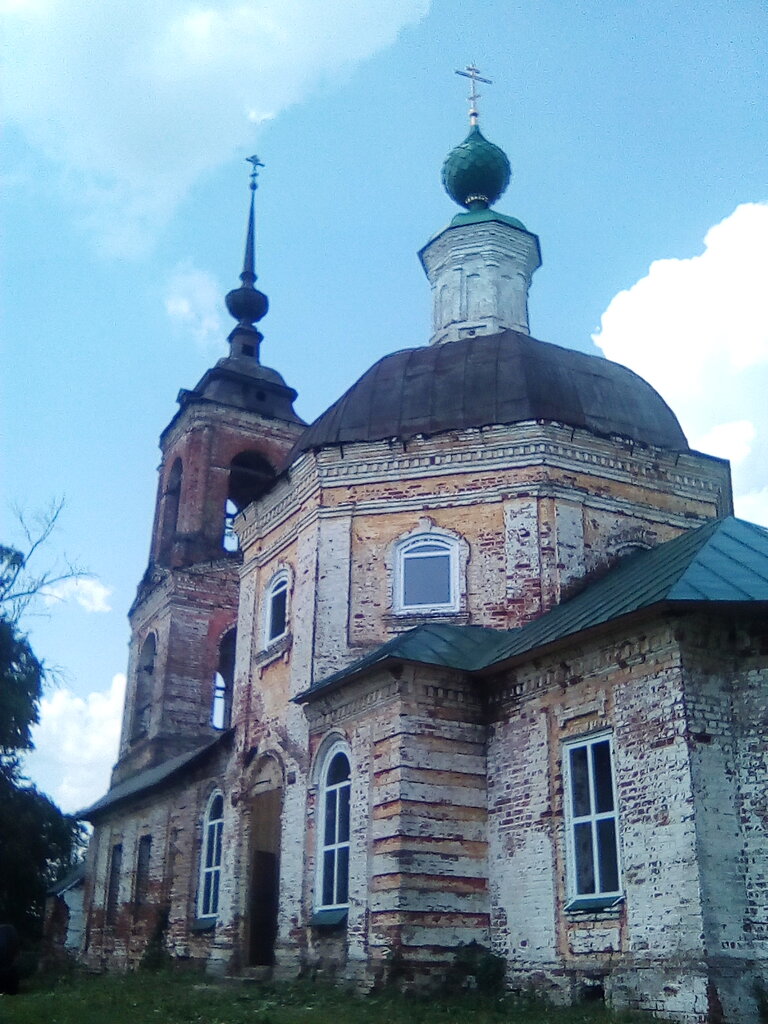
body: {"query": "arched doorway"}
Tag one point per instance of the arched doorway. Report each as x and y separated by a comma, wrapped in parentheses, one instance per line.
(265, 804)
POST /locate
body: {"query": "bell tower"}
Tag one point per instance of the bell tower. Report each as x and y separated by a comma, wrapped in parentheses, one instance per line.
(221, 451)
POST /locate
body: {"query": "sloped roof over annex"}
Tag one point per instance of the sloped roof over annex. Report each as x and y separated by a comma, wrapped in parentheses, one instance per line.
(723, 561)
(150, 778)
(439, 644)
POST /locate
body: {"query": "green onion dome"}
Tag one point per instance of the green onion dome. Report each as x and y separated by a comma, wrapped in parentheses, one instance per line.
(476, 172)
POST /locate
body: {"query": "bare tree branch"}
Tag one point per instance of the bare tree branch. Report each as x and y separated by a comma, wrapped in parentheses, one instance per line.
(19, 584)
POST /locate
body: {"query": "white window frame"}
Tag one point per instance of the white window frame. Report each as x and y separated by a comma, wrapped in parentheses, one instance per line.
(405, 550)
(280, 582)
(209, 890)
(324, 790)
(572, 820)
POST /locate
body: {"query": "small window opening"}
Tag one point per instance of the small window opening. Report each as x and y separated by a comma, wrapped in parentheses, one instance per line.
(277, 608)
(143, 858)
(248, 350)
(231, 542)
(171, 502)
(142, 706)
(113, 883)
(592, 992)
(223, 684)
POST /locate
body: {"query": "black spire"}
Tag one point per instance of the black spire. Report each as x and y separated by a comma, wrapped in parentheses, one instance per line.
(246, 303)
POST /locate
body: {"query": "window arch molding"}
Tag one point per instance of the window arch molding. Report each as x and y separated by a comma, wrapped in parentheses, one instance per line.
(333, 778)
(429, 571)
(277, 606)
(209, 884)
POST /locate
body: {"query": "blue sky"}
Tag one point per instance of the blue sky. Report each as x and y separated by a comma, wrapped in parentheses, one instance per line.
(635, 131)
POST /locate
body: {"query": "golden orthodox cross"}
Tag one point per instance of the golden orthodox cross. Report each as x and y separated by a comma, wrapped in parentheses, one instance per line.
(473, 73)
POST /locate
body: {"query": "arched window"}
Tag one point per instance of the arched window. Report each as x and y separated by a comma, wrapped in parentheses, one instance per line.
(427, 574)
(276, 607)
(223, 684)
(142, 703)
(210, 861)
(171, 501)
(250, 474)
(333, 826)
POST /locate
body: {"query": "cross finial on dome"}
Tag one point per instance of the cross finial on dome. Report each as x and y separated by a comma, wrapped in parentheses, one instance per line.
(473, 72)
(476, 172)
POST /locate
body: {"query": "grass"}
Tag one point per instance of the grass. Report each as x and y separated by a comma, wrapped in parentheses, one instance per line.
(187, 998)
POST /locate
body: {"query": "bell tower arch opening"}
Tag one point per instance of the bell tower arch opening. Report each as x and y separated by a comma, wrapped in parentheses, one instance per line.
(170, 514)
(250, 474)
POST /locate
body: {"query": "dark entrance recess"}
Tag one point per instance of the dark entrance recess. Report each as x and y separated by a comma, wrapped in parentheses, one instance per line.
(264, 877)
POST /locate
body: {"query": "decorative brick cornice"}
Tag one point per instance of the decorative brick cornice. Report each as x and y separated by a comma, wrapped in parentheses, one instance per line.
(351, 701)
(497, 449)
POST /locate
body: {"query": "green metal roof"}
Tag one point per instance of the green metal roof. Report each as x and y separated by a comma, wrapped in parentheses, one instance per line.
(725, 560)
(461, 647)
(150, 778)
(481, 216)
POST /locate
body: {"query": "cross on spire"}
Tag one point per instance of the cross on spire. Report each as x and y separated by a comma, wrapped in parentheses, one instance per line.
(255, 165)
(472, 72)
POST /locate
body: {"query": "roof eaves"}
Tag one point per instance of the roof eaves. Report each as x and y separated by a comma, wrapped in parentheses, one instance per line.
(150, 779)
(442, 645)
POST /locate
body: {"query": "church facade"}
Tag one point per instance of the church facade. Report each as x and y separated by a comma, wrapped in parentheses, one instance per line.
(479, 656)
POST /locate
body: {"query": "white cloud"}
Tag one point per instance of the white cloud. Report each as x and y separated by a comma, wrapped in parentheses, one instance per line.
(135, 101)
(697, 330)
(76, 743)
(753, 506)
(89, 593)
(194, 303)
(727, 440)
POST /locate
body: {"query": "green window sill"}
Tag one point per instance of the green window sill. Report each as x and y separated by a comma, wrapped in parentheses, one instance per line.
(203, 924)
(585, 904)
(329, 918)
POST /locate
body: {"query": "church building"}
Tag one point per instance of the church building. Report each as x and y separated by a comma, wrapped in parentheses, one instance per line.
(479, 656)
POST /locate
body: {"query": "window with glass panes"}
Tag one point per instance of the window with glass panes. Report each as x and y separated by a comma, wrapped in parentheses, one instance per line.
(210, 867)
(427, 574)
(334, 825)
(277, 608)
(592, 819)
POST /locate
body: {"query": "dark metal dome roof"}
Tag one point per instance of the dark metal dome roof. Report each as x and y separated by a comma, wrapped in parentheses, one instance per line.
(502, 378)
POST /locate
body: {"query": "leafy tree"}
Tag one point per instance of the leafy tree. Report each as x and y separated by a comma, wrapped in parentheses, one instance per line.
(37, 841)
